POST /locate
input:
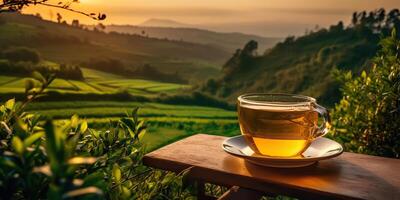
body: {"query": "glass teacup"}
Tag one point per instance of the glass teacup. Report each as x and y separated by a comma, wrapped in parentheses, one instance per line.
(281, 125)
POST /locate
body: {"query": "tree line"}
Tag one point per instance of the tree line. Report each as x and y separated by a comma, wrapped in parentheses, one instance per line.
(22, 61)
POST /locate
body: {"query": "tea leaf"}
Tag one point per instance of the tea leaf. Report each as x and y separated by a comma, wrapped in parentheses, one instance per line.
(32, 139)
(126, 193)
(52, 142)
(29, 85)
(167, 179)
(74, 121)
(116, 172)
(10, 104)
(84, 126)
(38, 76)
(17, 145)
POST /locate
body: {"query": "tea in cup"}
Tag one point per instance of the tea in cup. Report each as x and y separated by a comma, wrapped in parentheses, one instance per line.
(280, 125)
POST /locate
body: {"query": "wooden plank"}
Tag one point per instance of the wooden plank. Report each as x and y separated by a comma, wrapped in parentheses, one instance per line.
(349, 176)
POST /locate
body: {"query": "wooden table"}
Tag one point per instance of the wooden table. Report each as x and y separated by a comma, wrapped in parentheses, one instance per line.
(349, 176)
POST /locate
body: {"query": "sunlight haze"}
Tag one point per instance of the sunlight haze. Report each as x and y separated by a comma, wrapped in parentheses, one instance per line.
(262, 17)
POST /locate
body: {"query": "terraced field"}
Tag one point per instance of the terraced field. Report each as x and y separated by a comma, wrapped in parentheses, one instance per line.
(97, 82)
(167, 123)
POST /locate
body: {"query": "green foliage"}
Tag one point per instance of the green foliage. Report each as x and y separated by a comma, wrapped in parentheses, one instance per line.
(25, 67)
(367, 118)
(303, 65)
(21, 54)
(41, 160)
(144, 72)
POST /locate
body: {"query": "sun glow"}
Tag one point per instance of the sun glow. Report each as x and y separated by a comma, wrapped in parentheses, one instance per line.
(255, 17)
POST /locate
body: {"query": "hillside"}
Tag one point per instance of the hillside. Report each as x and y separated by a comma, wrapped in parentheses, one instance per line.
(67, 44)
(305, 65)
(227, 41)
(163, 23)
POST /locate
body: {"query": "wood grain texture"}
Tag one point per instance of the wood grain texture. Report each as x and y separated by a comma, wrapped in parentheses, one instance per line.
(349, 176)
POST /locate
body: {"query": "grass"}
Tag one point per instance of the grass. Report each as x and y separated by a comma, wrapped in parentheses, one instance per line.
(160, 136)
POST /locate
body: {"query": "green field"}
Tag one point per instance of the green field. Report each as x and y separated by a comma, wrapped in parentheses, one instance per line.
(166, 122)
(97, 82)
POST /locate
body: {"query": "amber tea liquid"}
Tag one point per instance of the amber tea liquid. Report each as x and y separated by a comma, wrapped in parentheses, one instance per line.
(278, 131)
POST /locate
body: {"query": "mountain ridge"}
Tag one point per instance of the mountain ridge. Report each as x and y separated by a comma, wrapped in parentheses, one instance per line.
(80, 44)
(229, 41)
(157, 22)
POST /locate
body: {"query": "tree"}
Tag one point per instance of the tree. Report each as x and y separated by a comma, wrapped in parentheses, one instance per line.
(18, 5)
(22, 54)
(367, 119)
(101, 27)
(75, 23)
(59, 18)
(241, 59)
(354, 19)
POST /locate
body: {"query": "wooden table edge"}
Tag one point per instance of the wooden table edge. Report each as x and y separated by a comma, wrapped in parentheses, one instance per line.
(175, 166)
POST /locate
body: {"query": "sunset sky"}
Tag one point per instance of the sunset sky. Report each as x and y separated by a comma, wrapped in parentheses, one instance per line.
(263, 17)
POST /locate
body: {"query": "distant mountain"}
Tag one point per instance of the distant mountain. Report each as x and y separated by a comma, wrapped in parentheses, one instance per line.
(227, 41)
(305, 65)
(68, 44)
(163, 23)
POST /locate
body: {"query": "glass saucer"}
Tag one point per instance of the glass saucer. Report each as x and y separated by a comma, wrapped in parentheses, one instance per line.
(320, 149)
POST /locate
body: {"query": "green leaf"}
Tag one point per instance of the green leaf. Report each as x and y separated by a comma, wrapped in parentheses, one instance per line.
(116, 172)
(134, 111)
(92, 179)
(126, 193)
(84, 126)
(32, 139)
(7, 163)
(52, 142)
(167, 179)
(29, 85)
(17, 145)
(10, 104)
(74, 121)
(364, 74)
(141, 134)
(135, 114)
(38, 76)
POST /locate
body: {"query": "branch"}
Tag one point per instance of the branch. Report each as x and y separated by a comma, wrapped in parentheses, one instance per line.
(18, 5)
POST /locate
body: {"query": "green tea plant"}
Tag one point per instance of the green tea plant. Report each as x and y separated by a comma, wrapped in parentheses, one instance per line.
(40, 159)
(367, 118)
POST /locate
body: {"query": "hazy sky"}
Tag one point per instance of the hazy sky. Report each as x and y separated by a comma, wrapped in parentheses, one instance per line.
(263, 17)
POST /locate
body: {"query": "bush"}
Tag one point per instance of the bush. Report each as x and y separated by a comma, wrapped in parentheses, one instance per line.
(39, 159)
(196, 98)
(22, 54)
(23, 68)
(367, 119)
